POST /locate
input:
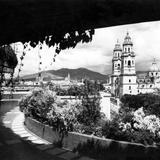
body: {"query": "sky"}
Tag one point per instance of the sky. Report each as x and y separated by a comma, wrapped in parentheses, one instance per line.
(97, 55)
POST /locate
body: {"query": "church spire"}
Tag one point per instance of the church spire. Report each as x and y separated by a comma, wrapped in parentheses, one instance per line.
(117, 46)
(127, 40)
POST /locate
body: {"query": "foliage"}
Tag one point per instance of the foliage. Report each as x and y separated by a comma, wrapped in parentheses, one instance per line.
(90, 113)
(64, 40)
(83, 116)
(146, 122)
(150, 103)
(37, 104)
(8, 55)
(89, 87)
(133, 126)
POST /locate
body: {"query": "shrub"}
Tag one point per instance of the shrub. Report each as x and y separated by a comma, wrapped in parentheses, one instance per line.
(91, 111)
(44, 106)
(143, 136)
(150, 123)
(150, 102)
(135, 126)
(38, 104)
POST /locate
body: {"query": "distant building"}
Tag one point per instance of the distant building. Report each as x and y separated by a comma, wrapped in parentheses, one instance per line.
(124, 79)
(66, 82)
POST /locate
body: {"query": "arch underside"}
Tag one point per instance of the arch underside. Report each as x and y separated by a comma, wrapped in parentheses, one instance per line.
(27, 20)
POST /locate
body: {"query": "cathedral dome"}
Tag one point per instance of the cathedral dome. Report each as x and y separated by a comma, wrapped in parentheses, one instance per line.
(154, 67)
(117, 46)
(127, 40)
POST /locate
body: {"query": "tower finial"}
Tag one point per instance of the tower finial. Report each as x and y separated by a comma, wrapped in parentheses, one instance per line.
(154, 60)
(117, 41)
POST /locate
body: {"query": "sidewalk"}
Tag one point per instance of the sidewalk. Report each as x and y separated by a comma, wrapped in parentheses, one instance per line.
(22, 144)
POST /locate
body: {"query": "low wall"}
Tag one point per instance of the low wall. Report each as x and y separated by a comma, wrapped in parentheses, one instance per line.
(15, 95)
(111, 148)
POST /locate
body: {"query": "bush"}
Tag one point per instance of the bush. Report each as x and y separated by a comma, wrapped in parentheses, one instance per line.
(44, 106)
(143, 136)
(91, 111)
(150, 102)
(134, 126)
(83, 116)
(38, 104)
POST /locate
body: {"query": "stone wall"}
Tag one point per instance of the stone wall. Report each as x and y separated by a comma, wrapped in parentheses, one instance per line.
(112, 148)
(14, 95)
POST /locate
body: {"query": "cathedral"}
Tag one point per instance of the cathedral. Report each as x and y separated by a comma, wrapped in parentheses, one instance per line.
(124, 79)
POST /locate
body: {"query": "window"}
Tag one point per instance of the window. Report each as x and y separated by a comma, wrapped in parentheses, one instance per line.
(128, 49)
(132, 62)
(129, 80)
(129, 63)
(129, 87)
(118, 54)
(125, 49)
(125, 62)
(118, 66)
(150, 86)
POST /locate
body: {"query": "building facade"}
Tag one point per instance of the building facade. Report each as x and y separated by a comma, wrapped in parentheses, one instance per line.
(124, 79)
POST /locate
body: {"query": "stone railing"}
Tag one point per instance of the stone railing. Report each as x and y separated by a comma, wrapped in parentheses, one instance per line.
(111, 148)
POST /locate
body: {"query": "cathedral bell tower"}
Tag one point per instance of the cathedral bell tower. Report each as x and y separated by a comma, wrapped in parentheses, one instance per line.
(128, 78)
(116, 68)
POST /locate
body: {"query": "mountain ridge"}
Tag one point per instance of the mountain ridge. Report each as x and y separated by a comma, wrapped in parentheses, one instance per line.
(75, 74)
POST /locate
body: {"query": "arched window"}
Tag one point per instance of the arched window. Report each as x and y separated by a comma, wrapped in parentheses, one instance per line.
(128, 49)
(129, 80)
(129, 63)
(118, 66)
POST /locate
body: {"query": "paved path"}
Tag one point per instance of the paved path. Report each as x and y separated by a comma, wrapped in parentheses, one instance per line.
(17, 143)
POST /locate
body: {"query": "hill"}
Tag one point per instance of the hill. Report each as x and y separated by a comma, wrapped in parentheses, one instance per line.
(79, 74)
(75, 74)
(46, 75)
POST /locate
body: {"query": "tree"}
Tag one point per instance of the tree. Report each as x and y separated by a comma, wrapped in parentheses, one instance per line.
(8, 60)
